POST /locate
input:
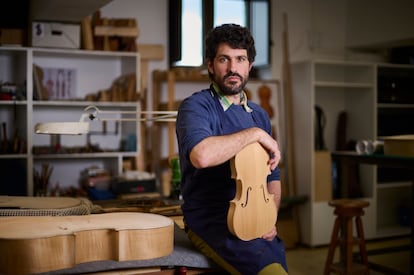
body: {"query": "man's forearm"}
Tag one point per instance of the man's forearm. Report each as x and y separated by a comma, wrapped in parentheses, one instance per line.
(216, 150)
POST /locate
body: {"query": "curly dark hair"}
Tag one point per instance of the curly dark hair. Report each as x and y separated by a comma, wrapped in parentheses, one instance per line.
(234, 35)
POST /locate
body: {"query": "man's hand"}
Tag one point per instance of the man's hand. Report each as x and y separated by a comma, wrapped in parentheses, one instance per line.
(273, 162)
(270, 235)
(272, 147)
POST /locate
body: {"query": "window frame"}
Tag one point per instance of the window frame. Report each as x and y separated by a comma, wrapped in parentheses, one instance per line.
(175, 30)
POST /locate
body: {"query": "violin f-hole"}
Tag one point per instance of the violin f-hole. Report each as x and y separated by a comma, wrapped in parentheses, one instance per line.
(244, 204)
(265, 198)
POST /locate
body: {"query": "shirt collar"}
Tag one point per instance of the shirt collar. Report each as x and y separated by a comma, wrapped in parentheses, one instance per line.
(225, 103)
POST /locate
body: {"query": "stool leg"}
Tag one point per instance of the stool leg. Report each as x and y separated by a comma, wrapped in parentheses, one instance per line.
(361, 237)
(347, 243)
(332, 246)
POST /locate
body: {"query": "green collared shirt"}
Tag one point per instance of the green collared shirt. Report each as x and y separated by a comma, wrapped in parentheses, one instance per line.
(225, 103)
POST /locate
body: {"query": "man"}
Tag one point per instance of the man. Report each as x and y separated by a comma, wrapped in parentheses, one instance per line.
(213, 125)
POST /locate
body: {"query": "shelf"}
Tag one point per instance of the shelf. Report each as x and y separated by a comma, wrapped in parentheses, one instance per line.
(85, 155)
(80, 103)
(13, 156)
(13, 50)
(395, 105)
(77, 52)
(63, 52)
(392, 231)
(342, 84)
(12, 102)
(395, 66)
(341, 63)
(387, 185)
(96, 72)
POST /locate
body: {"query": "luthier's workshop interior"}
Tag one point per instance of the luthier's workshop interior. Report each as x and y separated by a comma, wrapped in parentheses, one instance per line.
(336, 78)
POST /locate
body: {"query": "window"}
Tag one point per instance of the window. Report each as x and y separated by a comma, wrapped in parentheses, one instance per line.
(191, 19)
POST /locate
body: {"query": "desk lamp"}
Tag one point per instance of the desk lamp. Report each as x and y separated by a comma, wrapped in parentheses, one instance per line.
(93, 113)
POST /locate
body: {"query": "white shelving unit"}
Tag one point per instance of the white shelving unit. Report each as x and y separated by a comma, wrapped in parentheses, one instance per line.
(95, 71)
(351, 87)
(335, 87)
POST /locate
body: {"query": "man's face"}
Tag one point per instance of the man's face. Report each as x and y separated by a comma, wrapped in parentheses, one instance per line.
(230, 69)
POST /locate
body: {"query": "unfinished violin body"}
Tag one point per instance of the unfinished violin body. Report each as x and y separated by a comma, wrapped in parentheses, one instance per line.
(35, 244)
(252, 212)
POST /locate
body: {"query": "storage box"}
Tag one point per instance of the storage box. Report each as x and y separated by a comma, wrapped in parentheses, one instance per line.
(134, 186)
(12, 36)
(402, 145)
(55, 35)
(323, 176)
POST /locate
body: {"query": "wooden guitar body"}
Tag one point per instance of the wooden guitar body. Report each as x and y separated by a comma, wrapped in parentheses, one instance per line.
(252, 212)
(35, 244)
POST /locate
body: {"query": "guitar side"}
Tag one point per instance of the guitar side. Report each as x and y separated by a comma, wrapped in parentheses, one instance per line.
(35, 244)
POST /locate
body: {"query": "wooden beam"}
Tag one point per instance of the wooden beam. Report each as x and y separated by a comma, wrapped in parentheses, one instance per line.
(116, 31)
(151, 51)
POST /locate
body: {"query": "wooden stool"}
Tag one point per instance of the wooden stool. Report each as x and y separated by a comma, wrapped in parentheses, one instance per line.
(346, 210)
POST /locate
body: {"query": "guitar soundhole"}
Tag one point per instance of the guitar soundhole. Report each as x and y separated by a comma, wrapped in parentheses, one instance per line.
(244, 204)
(265, 198)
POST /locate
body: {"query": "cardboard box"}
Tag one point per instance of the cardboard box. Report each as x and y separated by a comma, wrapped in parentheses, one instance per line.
(287, 230)
(55, 35)
(402, 145)
(323, 176)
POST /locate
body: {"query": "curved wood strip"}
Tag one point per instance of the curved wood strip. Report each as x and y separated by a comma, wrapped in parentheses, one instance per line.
(38, 202)
(41, 244)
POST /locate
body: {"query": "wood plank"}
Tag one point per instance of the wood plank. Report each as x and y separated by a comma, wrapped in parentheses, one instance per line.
(151, 51)
(116, 31)
(171, 125)
(87, 36)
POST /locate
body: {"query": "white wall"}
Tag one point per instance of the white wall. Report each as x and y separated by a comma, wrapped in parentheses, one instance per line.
(379, 23)
(152, 19)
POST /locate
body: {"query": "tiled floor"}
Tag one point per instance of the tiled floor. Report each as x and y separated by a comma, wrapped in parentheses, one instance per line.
(311, 261)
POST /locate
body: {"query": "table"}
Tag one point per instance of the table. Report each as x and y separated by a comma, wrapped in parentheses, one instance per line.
(352, 158)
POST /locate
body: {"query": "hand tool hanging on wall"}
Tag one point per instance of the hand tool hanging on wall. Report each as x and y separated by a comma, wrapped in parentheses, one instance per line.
(4, 141)
(352, 190)
(320, 123)
(16, 141)
(341, 135)
(341, 145)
